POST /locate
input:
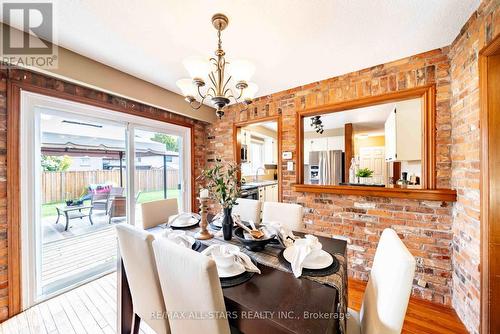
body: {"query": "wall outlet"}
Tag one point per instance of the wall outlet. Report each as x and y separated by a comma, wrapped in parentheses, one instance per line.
(289, 165)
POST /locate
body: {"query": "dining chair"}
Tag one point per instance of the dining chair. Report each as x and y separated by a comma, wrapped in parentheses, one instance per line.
(286, 213)
(248, 209)
(388, 291)
(157, 212)
(136, 250)
(190, 283)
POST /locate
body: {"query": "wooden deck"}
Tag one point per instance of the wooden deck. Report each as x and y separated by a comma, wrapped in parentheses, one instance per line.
(91, 309)
(72, 260)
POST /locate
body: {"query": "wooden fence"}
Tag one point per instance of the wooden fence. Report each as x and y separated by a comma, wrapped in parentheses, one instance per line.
(56, 186)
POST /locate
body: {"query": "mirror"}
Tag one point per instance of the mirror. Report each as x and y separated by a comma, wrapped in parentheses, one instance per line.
(374, 146)
(259, 151)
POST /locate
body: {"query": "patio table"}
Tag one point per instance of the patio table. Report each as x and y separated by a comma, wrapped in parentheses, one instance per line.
(74, 212)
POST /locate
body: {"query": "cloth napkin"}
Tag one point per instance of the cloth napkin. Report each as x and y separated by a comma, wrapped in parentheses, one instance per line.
(219, 218)
(241, 258)
(285, 234)
(179, 237)
(303, 248)
(184, 218)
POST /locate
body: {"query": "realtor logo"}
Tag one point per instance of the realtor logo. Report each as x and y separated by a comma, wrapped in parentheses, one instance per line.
(30, 48)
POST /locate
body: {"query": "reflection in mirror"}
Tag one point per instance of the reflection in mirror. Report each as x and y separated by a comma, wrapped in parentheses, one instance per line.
(259, 151)
(376, 146)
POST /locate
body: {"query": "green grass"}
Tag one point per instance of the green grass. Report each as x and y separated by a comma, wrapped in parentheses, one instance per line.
(49, 209)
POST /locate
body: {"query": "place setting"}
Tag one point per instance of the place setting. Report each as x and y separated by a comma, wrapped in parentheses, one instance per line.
(185, 220)
(233, 266)
(305, 257)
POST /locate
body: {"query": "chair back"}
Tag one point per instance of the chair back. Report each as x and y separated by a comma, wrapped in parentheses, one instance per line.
(137, 255)
(288, 214)
(190, 284)
(116, 191)
(157, 212)
(388, 291)
(248, 209)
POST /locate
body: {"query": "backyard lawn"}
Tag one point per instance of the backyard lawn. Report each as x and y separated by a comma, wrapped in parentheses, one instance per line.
(49, 209)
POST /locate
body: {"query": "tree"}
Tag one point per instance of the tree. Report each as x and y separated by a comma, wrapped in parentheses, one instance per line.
(55, 163)
(169, 141)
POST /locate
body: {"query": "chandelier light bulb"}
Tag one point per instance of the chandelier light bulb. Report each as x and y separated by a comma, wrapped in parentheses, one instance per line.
(187, 87)
(250, 92)
(197, 67)
(241, 70)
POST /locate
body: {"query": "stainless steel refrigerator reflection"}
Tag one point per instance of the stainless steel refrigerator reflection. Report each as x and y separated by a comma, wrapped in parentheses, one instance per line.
(325, 167)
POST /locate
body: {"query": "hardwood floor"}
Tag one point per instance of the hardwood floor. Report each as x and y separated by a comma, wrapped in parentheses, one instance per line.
(91, 309)
(422, 317)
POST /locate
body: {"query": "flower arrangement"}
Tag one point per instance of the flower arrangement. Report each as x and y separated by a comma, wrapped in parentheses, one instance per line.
(364, 172)
(222, 182)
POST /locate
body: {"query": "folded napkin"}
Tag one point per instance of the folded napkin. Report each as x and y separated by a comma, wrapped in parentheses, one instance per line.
(184, 218)
(284, 233)
(240, 258)
(302, 249)
(179, 237)
(219, 218)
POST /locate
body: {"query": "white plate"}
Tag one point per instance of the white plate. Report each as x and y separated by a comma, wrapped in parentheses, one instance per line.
(232, 271)
(323, 260)
(184, 222)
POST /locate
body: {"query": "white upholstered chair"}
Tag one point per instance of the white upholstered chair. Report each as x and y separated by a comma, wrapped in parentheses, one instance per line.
(248, 209)
(190, 283)
(157, 212)
(285, 213)
(136, 250)
(388, 291)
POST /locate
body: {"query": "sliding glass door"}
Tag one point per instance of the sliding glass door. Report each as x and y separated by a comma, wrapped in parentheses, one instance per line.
(85, 170)
(158, 167)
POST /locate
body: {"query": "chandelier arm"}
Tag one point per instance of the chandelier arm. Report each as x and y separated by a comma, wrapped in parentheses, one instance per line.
(241, 93)
(211, 76)
(224, 87)
(195, 106)
(201, 95)
(198, 106)
(212, 90)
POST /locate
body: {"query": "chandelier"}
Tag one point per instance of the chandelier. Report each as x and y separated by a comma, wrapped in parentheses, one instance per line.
(224, 78)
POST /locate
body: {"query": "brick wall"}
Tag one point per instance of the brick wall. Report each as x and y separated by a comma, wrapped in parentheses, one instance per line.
(425, 227)
(61, 86)
(482, 27)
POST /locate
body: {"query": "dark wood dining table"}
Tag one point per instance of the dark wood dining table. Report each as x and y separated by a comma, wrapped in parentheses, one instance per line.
(271, 302)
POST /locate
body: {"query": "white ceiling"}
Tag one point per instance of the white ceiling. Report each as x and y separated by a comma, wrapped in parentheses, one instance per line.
(291, 42)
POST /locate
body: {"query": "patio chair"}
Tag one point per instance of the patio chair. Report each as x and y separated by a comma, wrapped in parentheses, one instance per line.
(100, 201)
(118, 208)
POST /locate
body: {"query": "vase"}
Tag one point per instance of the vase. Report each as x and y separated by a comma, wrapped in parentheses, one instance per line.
(227, 224)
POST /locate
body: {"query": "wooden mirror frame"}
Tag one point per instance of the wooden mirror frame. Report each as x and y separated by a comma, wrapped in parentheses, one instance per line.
(237, 143)
(428, 191)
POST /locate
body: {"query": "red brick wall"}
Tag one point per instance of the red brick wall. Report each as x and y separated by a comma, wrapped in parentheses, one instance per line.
(425, 227)
(61, 86)
(481, 28)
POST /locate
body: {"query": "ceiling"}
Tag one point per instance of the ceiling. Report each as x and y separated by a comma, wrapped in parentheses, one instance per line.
(291, 42)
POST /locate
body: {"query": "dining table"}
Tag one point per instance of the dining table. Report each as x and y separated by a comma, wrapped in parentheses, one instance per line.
(274, 301)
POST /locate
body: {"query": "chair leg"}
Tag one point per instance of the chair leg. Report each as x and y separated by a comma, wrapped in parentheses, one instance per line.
(137, 324)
